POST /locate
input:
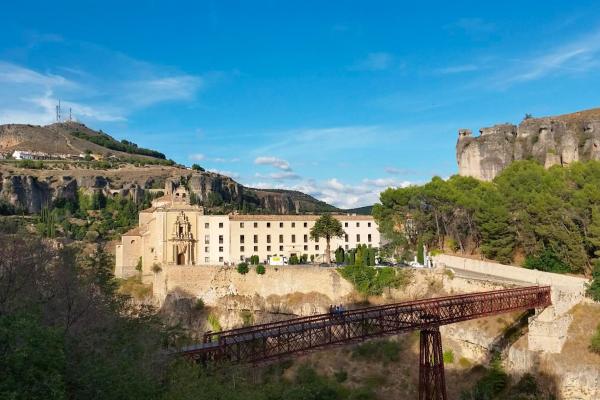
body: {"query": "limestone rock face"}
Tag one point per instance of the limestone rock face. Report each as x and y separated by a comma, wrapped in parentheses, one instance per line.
(559, 140)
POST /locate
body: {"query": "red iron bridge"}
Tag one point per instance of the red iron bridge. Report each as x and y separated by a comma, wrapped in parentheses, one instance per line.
(259, 343)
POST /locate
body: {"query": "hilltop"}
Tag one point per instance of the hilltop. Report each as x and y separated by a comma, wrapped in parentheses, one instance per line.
(69, 138)
(551, 140)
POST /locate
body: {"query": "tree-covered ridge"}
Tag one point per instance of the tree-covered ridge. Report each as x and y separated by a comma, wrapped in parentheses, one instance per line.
(548, 218)
(104, 140)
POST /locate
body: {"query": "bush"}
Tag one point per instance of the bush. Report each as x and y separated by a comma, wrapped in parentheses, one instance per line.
(340, 376)
(214, 323)
(378, 350)
(595, 343)
(196, 167)
(138, 266)
(547, 261)
(156, 268)
(199, 305)
(371, 281)
(448, 357)
(293, 260)
(260, 269)
(242, 268)
(593, 290)
(254, 260)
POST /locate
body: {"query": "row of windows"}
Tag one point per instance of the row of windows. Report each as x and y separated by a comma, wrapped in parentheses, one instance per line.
(293, 238)
(304, 224)
(242, 248)
(255, 224)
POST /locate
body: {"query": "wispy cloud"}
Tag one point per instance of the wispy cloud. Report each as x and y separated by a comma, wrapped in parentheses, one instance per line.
(122, 86)
(197, 157)
(273, 161)
(231, 174)
(279, 176)
(373, 62)
(573, 58)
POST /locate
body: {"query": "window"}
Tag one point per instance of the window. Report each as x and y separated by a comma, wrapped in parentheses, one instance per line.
(358, 224)
(220, 225)
(280, 248)
(207, 249)
(317, 247)
(206, 225)
(242, 249)
(268, 238)
(255, 248)
(369, 238)
(255, 238)
(256, 224)
(306, 224)
(293, 224)
(293, 238)
(268, 248)
(206, 259)
(220, 239)
(346, 247)
(206, 239)
(220, 259)
(281, 224)
(220, 249)
(268, 224)
(305, 247)
(241, 258)
(357, 238)
(241, 224)
(345, 224)
(280, 238)
(346, 237)
(241, 238)
(305, 238)
(369, 224)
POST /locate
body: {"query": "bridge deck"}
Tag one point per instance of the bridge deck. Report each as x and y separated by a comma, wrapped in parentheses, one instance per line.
(266, 341)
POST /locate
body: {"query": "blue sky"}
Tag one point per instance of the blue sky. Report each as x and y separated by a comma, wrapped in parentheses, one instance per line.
(339, 99)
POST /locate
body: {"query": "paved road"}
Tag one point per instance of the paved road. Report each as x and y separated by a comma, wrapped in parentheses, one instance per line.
(465, 274)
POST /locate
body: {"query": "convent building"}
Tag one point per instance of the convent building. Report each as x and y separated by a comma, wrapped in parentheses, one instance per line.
(174, 232)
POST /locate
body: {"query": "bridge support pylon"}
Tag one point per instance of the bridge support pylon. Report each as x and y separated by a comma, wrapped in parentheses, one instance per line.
(432, 383)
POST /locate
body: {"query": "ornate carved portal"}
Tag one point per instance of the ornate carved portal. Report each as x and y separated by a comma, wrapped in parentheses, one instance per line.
(183, 241)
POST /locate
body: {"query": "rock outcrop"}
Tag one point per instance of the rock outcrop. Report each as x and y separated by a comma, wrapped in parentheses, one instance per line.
(558, 140)
(31, 190)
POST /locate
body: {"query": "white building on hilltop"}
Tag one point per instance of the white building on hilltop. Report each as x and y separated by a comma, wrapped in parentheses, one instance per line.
(173, 232)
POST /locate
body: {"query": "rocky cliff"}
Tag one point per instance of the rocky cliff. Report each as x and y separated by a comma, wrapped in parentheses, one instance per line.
(31, 190)
(558, 140)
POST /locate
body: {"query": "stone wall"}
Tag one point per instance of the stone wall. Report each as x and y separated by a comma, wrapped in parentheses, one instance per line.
(214, 283)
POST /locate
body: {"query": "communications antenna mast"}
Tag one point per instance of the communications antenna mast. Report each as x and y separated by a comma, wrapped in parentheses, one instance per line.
(58, 112)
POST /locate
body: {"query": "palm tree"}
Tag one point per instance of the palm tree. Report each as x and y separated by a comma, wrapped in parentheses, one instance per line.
(326, 227)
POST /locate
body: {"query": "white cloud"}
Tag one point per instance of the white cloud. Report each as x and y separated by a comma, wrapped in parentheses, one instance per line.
(280, 176)
(225, 160)
(573, 58)
(386, 182)
(273, 161)
(230, 174)
(144, 93)
(15, 74)
(374, 62)
(196, 157)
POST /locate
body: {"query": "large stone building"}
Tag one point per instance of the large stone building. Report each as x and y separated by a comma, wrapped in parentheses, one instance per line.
(173, 232)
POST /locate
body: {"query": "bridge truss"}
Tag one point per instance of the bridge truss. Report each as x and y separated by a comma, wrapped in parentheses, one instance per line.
(264, 342)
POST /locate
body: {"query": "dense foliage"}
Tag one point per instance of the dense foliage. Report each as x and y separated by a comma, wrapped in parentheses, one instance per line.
(371, 281)
(551, 218)
(125, 146)
(593, 289)
(91, 216)
(67, 333)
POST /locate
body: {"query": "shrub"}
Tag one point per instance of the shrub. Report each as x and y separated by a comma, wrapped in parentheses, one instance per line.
(293, 260)
(196, 167)
(247, 317)
(448, 357)
(595, 343)
(371, 281)
(242, 268)
(156, 268)
(138, 266)
(260, 269)
(593, 289)
(464, 362)
(340, 376)
(214, 323)
(378, 350)
(199, 305)
(547, 261)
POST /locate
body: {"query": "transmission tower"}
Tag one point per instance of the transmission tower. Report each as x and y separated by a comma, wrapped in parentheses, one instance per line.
(58, 112)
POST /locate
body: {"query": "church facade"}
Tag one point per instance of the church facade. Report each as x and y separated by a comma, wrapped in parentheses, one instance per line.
(173, 232)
